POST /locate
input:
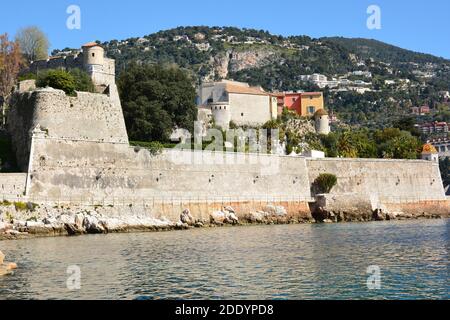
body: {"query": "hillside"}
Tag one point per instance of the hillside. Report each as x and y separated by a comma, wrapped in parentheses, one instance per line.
(369, 48)
(370, 83)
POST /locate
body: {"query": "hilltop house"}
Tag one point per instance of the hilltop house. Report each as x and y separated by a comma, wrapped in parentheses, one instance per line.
(238, 102)
(433, 127)
(304, 103)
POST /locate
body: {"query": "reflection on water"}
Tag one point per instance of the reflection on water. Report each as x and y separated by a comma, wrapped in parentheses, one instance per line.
(261, 262)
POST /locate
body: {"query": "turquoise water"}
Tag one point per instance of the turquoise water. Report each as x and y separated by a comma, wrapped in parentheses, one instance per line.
(322, 261)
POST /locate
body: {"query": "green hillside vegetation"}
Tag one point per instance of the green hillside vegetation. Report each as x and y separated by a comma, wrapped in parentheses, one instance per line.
(293, 56)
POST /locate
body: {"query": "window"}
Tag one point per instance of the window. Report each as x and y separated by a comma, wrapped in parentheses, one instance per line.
(242, 114)
(311, 110)
(93, 54)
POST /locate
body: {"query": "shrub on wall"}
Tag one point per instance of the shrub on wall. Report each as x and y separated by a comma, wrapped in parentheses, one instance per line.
(154, 147)
(69, 81)
(83, 81)
(57, 79)
(324, 183)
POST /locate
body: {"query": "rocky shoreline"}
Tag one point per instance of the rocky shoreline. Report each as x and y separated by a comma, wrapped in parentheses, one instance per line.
(31, 220)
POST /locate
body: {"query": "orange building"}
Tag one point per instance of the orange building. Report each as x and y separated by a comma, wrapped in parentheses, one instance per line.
(304, 103)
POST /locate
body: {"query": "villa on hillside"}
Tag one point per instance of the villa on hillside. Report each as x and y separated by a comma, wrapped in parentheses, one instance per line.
(304, 103)
(231, 101)
(238, 102)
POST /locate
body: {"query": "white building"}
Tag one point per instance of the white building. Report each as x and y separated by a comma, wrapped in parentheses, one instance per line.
(238, 102)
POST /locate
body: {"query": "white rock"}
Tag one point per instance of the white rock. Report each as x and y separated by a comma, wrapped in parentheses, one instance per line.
(19, 223)
(231, 217)
(229, 209)
(65, 218)
(79, 218)
(113, 224)
(35, 224)
(217, 217)
(49, 220)
(91, 224)
(256, 216)
(275, 210)
(186, 217)
(4, 226)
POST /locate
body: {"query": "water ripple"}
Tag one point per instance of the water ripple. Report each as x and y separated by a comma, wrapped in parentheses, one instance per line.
(262, 262)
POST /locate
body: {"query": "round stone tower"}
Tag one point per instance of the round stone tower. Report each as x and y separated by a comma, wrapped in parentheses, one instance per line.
(221, 114)
(93, 55)
(322, 122)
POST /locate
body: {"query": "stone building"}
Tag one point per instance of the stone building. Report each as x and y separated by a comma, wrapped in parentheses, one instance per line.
(237, 102)
(91, 59)
(430, 153)
(322, 122)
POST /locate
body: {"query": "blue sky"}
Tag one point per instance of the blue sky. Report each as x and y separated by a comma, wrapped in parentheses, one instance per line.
(420, 26)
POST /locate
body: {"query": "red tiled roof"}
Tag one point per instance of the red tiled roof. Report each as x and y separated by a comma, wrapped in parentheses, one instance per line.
(91, 44)
(311, 93)
(231, 88)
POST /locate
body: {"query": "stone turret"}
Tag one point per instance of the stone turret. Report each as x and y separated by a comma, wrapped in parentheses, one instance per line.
(430, 153)
(322, 122)
(93, 55)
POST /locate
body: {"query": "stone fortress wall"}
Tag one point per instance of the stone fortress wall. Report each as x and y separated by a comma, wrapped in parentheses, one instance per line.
(76, 150)
(79, 151)
(12, 185)
(52, 114)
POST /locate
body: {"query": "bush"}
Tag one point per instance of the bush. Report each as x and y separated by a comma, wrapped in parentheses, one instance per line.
(154, 147)
(57, 79)
(69, 81)
(324, 183)
(83, 81)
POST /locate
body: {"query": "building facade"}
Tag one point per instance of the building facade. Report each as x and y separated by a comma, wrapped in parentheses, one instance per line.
(303, 103)
(442, 146)
(434, 127)
(237, 102)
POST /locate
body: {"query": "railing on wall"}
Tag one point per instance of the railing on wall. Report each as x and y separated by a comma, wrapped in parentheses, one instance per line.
(151, 201)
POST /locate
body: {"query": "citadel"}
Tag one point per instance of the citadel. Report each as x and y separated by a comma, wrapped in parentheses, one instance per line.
(81, 174)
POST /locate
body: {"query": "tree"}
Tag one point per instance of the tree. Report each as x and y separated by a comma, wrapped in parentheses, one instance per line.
(69, 81)
(10, 63)
(324, 183)
(444, 166)
(396, 144)
(83, 82)
(57, 79)
(155, 100)
(407, 124)
(34, 43)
